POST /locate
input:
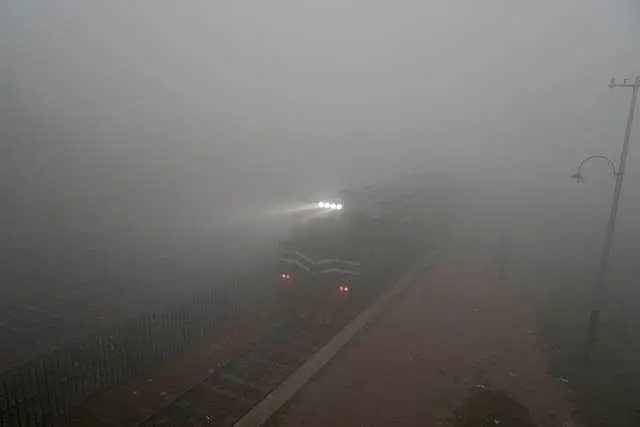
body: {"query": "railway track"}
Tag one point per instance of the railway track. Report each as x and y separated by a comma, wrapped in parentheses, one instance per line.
(230, 392)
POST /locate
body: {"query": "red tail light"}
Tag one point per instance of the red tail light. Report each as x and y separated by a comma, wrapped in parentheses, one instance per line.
(343, 288)
(286, 276)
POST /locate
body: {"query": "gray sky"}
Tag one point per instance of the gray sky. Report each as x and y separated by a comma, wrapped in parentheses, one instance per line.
(141, 114)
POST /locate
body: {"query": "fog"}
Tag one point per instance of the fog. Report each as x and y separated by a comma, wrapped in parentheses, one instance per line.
(143, 142)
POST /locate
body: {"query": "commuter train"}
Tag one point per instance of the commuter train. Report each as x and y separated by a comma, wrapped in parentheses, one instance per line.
(349, 248)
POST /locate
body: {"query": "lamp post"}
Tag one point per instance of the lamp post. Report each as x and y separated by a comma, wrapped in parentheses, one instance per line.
(618, 174)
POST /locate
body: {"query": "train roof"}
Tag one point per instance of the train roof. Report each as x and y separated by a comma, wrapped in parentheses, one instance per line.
(390, 196)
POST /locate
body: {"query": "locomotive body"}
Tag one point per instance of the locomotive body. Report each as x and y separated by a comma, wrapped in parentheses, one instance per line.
(346, 256)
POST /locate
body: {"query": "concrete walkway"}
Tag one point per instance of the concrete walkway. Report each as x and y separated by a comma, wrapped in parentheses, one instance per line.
(457, 331)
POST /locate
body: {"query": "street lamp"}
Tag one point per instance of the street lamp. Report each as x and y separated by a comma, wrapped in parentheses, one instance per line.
(578, 175)
(618, 173)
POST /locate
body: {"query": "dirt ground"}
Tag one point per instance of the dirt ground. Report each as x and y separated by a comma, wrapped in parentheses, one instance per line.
(447, 353)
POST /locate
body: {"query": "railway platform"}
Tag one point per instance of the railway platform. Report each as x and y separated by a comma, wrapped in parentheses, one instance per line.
(457, 347)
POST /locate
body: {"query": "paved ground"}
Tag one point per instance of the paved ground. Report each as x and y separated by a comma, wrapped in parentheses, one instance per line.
(458, 333)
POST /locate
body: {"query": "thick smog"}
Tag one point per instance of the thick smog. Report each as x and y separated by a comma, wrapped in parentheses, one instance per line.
(202, 203)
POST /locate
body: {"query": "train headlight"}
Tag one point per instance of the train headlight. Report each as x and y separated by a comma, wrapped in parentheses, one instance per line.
(333, 206)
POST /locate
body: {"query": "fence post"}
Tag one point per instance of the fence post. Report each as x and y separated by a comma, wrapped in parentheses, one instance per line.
(28, 410)
(47, 390)
(60, 386)
(35, 398)
(4, 403)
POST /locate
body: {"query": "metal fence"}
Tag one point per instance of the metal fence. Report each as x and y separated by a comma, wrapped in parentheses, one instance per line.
(43, 392)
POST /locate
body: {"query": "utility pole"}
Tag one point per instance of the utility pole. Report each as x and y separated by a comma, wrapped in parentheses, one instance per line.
(608, 240)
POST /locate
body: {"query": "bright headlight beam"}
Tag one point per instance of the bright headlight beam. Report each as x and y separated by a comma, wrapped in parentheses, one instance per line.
(329, 205)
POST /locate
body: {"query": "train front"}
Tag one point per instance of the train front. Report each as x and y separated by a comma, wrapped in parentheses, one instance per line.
(319, 266)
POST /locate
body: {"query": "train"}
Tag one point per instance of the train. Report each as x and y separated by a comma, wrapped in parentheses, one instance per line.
(350, 247)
